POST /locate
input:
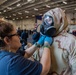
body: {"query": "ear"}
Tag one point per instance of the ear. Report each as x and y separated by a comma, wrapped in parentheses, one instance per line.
(7, 40)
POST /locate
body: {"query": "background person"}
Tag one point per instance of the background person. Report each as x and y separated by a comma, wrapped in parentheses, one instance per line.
(35, 36)
(24, 36)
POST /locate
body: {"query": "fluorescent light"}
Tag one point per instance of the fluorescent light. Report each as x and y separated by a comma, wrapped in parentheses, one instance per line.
(14, 14)
(29, 0)
(26, 16)
(17, 18)
(35, 9)
(33, 15)
(64, 2)
(47, 6)
(13, 19)
(6, 17)
(9, 8)
(19, 13)
(75, 9)
(26, 11)
(40, 14)
(10, 16)
(0, 12)
(18, 5)
(4, 11)
(57, 4)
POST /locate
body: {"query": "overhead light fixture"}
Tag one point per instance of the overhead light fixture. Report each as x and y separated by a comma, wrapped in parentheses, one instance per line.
(57, 4)
(33, 15)
(13, 19)
(64, 2)
(40, 14)
(18, 5)
(4, 11)
(10, 16)
(19, 13)
(14, 14)
(45, 0)
(0, 12)
(26, 11)
(9, 8)
(31, 1)
(26, 16)
(35, 9)
(6, 17)
(18, 0)
(75, 9)
(47, 6)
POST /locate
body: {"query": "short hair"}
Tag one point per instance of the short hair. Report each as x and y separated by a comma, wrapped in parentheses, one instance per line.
(5, 29)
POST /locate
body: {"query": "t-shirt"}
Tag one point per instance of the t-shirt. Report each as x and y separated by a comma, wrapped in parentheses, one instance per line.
(14, 64)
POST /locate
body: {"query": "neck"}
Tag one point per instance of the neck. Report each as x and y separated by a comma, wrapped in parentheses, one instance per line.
(9, 50)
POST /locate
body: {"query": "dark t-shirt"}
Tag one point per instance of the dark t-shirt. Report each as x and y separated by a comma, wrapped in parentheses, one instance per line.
(14, 64)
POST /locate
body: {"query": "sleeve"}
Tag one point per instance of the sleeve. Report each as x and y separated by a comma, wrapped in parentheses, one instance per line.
(21, 51)
(21, 66)
(72, 56)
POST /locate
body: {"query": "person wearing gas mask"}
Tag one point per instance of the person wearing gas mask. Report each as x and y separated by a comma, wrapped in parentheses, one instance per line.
(63, 49)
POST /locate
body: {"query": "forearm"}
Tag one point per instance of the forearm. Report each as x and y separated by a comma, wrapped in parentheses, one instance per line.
(46, 61)
(29, 51)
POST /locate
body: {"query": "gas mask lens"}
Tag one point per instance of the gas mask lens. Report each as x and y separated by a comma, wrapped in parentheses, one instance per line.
(48, 20)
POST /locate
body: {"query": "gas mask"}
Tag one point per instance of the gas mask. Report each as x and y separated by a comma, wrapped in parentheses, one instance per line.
(47, 28)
